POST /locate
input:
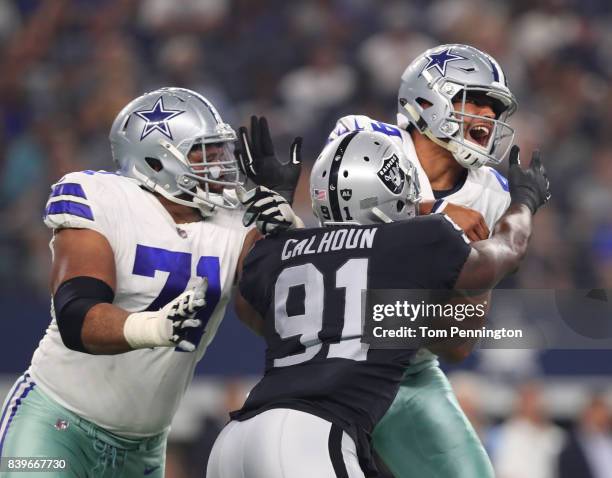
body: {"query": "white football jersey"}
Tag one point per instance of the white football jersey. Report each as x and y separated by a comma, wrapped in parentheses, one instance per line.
(485, 190)
(136, 394)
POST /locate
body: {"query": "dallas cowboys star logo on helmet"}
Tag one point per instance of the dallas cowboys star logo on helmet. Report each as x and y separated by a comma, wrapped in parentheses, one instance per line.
(440, 59)
(157, 119)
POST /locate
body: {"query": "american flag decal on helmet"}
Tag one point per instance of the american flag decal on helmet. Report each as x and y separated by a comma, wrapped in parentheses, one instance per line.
(319, 194)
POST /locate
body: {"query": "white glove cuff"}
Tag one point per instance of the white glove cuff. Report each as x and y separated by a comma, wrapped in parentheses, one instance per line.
(289, 214)
(148, 329)
(298, 223)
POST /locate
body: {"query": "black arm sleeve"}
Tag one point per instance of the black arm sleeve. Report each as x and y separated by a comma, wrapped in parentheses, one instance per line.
(72, 301)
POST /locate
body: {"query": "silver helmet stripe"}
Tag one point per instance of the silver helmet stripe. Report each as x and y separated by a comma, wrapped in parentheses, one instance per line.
(334, 203)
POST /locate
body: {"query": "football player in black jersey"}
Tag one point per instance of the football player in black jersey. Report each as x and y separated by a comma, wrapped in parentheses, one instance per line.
(324, 390)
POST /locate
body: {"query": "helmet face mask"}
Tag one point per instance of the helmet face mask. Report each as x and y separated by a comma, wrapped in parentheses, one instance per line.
(212, 168)
(435, 89)
(174, 143)
(363, 178)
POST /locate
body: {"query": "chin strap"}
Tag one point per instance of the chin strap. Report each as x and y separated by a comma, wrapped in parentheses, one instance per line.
(207, 209)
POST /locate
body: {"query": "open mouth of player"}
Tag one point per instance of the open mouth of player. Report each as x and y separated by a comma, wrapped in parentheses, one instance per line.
(480, 133)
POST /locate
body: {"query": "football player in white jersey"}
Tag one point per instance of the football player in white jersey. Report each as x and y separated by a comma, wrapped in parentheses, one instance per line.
(453, 104)
(144, 260)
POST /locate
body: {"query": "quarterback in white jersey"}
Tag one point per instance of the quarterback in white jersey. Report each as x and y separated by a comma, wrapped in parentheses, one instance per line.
(144, 261)
(453, 103)
(483, 189)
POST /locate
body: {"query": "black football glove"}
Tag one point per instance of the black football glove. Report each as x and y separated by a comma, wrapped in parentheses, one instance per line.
(528, 186)
(259, 163)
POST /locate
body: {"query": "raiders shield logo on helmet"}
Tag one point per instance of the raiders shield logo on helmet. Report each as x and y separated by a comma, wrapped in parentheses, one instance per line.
(346, 194)
(392, 175)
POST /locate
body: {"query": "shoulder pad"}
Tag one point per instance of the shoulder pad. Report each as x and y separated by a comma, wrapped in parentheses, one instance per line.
(350, 123)
(495, 179)
(75, 200)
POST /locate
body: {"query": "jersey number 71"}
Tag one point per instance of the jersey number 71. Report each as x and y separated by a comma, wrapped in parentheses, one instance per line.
(149, 260)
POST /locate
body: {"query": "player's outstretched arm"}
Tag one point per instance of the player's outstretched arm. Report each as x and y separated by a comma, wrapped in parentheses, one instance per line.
(491, 260)
(246, 313)
(83, 281)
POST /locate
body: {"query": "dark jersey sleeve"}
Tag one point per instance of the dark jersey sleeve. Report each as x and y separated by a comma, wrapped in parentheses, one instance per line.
(427, 252)
(257, 268)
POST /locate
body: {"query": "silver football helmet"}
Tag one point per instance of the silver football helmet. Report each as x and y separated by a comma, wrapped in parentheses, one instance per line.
(174, 143)
(363, 178)
(456, 73)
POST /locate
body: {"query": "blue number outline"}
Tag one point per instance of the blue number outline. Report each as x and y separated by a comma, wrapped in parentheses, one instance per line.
(148, 260)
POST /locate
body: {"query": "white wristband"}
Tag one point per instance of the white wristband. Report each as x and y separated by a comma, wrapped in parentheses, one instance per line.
(148, 329)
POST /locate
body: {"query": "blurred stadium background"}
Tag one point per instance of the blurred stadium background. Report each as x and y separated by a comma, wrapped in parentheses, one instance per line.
(67, 67)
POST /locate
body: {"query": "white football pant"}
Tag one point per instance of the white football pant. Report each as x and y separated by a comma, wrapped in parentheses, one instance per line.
(283, 443)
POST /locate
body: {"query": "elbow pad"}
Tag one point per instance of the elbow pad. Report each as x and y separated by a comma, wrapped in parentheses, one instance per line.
(72, 301)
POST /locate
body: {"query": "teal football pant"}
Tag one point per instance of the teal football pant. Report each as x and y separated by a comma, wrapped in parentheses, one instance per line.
(33, 425)
(425, 433)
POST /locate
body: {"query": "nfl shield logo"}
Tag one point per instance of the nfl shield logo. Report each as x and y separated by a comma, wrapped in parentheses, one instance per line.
(391, 175)
(346, 194)
(61, 424)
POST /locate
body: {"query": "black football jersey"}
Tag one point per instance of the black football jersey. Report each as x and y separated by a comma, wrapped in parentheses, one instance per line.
(307, 285)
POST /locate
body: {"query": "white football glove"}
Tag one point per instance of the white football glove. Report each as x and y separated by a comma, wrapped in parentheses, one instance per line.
(268, 209)
(168, 326)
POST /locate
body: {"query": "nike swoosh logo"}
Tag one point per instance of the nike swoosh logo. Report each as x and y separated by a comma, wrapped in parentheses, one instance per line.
(148, 471)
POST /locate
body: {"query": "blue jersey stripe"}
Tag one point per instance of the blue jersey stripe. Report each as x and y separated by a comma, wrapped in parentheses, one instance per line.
(501, 179)
(69, 189)
(70, 207)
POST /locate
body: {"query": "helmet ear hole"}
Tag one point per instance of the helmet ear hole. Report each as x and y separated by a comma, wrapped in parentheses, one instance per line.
(424, 103)
(155, 164)
(400, 206)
